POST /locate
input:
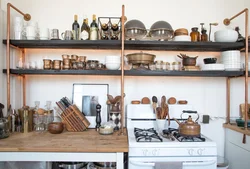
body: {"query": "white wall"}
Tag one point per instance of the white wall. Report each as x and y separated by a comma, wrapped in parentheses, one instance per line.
(207, 95)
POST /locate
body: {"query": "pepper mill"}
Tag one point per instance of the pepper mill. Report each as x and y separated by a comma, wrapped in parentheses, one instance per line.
(98, 117)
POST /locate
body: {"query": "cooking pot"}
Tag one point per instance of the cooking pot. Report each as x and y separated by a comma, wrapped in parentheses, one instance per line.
(188, 61)
(73, 165)
(140, 58)
(189, 127)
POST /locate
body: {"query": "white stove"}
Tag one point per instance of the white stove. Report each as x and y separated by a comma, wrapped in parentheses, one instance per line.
(149, 153)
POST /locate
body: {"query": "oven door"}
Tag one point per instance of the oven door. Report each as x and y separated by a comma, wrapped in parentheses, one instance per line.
(187, 162)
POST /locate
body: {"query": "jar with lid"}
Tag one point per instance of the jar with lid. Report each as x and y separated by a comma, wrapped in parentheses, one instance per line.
(166, 66)
(74, 64)
(195, 35)
(80, 65)
(158, 65)
(176, 66)
(204, 37)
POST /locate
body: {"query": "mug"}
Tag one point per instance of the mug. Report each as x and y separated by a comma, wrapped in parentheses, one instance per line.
(67, 35)
(55, 34)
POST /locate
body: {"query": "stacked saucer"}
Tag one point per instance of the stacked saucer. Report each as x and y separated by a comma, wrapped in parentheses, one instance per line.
(231, 60)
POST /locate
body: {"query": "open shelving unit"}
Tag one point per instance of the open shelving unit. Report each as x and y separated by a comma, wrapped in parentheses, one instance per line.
(131, 45)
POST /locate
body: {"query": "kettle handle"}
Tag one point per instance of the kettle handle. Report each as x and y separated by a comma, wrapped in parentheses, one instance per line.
(190, 112)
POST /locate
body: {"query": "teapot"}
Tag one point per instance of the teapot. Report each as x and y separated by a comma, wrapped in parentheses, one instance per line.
(189, 127)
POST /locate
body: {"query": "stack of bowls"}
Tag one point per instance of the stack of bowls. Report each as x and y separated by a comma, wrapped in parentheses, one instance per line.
(231, 60)
(113, 62)
(227, 35)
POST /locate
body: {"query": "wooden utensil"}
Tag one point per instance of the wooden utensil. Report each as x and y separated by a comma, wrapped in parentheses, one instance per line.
(154, 100)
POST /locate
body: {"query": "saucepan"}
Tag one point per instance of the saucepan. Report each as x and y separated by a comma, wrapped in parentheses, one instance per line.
(188, 61)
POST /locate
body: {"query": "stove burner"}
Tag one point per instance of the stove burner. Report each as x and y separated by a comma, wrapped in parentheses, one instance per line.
(182, 138)
(147, 135)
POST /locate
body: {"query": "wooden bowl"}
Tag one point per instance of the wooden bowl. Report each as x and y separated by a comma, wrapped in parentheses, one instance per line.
(56, 127)
(181, 31)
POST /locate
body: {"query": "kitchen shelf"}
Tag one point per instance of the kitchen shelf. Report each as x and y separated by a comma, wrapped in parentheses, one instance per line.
(127, 73)
(236, 128)
(63, 72)
(128, 45)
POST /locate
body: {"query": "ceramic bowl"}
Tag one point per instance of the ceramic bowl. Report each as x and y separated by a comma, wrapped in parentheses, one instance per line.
(227, 35)
(210, 60)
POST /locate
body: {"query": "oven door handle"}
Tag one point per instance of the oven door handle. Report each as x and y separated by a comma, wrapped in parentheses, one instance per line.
(191, 163)
(198, 163)
(142, 163)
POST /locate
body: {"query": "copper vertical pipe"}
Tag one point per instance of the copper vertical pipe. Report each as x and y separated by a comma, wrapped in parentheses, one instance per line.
(8, 55)
(24, 80)
(228, 100)
(246, 69)
(26, 17)
(122, 71)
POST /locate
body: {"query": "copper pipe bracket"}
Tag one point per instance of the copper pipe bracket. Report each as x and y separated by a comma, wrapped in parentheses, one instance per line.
(226, 21)
(27, 17)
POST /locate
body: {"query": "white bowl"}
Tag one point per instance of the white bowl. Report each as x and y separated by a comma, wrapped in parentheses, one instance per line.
(227, 35)
(113, 66)
(182, 38)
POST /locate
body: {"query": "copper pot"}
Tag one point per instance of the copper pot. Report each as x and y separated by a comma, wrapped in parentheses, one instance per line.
(188, 61)
(189, 127)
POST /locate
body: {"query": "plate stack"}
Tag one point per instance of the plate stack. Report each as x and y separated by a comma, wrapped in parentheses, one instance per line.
(113, 62)
(213, 67)
(231, 60)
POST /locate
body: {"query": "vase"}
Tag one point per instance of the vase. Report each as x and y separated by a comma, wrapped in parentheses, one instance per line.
(161, 124)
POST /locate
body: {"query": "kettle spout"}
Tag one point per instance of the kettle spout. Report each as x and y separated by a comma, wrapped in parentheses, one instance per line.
(177, 121)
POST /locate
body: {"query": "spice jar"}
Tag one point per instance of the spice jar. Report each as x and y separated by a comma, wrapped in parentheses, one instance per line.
(195, 35)
(74, 57)
(158, 65)
(74, 64)
(64, 56)
(204, 37)
(92, 64)
(176, 66)
(80, 65)
(47, 64)
(166, 66)
(56, 64)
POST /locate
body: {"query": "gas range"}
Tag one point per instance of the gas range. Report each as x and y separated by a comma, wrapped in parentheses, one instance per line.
(149, 146)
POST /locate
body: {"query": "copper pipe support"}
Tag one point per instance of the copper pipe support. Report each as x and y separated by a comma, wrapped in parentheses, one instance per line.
(26, 17)
(122, 72)
(227, 22)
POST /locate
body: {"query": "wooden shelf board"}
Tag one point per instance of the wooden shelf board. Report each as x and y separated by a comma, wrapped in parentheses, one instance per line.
(128, 45)
(236, 128)
(127, 73)
(64, 72)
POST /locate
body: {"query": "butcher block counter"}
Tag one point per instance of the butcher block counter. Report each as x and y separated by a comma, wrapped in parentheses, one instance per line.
(67, 146)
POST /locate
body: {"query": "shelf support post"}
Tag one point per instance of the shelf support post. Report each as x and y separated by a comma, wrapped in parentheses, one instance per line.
(27, 17)
(228, 100)
(227, 22)
(122, 72)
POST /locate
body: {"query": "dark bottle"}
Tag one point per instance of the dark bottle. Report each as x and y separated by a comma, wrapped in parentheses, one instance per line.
(85, 30)
(93, 29)
(204, 37)
(105, 37)
(104, 27)
(76, 29)
(114, 37)
(114, 27)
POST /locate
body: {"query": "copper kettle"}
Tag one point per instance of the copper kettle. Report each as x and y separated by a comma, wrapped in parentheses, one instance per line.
(189, 127)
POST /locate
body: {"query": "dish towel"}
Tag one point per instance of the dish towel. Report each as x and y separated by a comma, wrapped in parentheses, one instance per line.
(168, 165)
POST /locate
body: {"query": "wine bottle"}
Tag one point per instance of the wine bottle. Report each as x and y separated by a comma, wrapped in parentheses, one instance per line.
(75, 29)
(114, 27)
(104, 27)
(94, 29)
(85, 30)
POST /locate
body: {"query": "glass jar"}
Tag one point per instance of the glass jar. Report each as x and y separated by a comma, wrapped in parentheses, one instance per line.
(204, 37)
(195, 35)
(80, 65)
(176, 66)
(158, 65)
(166, 66)
(92, 64)
(74, 64)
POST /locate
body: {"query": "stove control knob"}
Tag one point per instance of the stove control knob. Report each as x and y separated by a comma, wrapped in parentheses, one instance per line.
(200, 151)
(145, 152)
(154, 152)
(191, 152)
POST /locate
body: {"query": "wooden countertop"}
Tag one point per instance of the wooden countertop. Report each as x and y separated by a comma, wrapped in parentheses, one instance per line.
(87, 141)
